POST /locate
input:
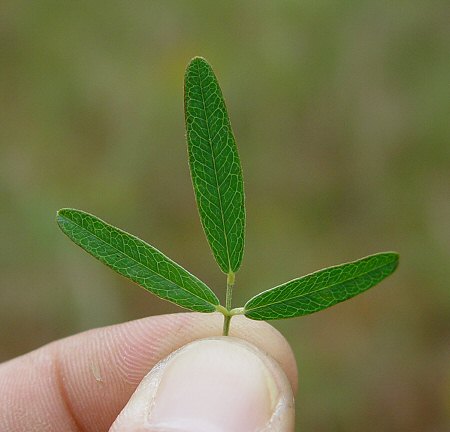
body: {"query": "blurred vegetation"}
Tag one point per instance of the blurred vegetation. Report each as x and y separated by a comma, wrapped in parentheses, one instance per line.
(341, 114)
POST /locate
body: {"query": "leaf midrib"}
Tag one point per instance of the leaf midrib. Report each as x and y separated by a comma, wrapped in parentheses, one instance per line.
(214, 165)
(136, 261)
(311, 292)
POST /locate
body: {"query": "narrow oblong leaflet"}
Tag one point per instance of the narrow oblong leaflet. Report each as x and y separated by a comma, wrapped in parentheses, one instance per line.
(136, 260)
(215, 166)
(322, 289)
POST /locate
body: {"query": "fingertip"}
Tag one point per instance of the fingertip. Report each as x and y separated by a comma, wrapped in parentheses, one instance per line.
(215, 384)
(150, 339)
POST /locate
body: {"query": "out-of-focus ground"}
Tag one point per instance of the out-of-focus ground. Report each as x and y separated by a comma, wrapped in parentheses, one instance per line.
(341, 114)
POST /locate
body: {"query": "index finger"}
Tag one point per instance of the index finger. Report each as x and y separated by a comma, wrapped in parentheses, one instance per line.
(81, 383)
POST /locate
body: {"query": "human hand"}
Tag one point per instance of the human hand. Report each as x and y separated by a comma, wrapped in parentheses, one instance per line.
(218, 384)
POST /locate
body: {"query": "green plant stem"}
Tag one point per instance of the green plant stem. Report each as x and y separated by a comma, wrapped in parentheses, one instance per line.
(227, 315)
(229, 295)
(228, 299)
(226, 325)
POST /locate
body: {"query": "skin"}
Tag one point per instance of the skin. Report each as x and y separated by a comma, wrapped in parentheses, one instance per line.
(82, 383)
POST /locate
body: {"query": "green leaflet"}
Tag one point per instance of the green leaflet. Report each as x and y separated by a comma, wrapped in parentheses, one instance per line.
(136, 260)
(322, 289)
(215, 166)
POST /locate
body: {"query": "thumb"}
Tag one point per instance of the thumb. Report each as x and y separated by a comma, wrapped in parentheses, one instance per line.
(211, 385)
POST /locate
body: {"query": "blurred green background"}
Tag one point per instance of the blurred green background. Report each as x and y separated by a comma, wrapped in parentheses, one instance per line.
(341, 114)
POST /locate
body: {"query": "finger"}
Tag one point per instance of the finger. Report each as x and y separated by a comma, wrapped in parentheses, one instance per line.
(216, 384)
(81, 383)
